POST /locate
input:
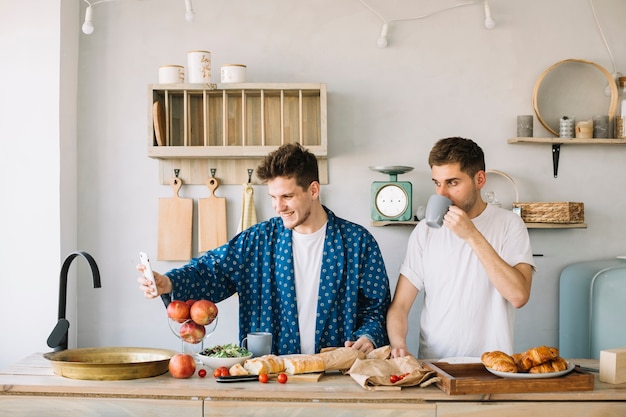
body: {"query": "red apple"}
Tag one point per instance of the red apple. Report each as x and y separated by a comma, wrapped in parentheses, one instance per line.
(190, 302)
(178, 310)
(192, 332)
(203, 312)
(182, 365)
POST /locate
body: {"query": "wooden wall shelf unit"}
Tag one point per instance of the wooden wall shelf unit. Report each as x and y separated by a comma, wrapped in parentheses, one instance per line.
(231, 128)
(557, 142)
(528, 225)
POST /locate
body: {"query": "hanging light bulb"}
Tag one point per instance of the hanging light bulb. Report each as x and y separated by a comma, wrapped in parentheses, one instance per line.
(88, 25)
(382, 41)
(489, 22)
(189, 13)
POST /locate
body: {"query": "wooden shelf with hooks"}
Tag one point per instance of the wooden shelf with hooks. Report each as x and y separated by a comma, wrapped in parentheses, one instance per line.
(196, 127)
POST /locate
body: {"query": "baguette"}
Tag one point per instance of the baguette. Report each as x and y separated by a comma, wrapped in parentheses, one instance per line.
(303, 364)
(237, 369)
(266, 364)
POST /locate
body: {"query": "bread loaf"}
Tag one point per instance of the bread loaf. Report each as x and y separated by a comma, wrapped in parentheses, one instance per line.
(266, 364)
(237, 369)
(303, 364)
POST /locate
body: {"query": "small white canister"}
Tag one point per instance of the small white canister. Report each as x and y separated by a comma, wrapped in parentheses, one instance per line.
(199, 67)
(171, 74)
(233, 73)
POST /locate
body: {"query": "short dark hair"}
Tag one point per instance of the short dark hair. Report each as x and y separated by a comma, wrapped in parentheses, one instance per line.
(458, 150)
(290, 160)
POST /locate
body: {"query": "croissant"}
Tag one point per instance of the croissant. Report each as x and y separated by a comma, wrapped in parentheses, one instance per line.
(518, 358)
(498, 361)
(555, 365)
(538, 355)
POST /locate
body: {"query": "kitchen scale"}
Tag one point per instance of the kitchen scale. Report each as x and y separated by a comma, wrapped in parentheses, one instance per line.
(391, 200)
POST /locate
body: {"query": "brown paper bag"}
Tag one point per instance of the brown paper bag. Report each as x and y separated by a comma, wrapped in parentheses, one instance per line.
(370, 373)
(339, 358)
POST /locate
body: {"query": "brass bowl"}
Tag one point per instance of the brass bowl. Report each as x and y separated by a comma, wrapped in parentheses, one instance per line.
(110, 363)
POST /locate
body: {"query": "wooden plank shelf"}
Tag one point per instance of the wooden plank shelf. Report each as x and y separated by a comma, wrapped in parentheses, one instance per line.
(573, 141)
(528, 225)
(557, 142)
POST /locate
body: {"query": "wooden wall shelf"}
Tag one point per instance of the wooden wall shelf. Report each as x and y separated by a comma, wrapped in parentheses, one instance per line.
(194, 128)
(557, 142)
(528, 225)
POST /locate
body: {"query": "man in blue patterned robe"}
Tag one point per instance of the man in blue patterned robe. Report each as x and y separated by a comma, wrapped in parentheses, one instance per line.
(310, 278)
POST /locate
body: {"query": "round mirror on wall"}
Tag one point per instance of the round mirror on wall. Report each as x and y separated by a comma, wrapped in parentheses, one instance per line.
(573, 88)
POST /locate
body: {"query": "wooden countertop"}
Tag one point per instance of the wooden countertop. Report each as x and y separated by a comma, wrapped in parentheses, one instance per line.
(34, 376)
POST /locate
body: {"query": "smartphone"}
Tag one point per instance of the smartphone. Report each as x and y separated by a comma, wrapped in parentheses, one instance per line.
(145, 261)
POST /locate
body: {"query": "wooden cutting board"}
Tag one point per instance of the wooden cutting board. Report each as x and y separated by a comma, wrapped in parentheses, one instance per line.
(175, 225)
(211, 219)
(158, 117)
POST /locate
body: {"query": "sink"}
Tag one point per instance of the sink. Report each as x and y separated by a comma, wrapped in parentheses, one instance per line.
(110, 363)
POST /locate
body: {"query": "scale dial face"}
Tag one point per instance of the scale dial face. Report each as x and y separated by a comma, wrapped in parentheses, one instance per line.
(391, 201)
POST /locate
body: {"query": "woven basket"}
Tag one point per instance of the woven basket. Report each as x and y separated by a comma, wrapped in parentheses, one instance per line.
(561, 212)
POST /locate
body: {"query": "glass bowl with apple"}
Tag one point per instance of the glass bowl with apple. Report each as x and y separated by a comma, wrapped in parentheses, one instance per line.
(192, 321)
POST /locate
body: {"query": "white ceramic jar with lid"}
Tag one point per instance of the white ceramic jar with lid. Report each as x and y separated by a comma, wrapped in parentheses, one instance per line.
(233, 73)
(199, 67)
(171, 74)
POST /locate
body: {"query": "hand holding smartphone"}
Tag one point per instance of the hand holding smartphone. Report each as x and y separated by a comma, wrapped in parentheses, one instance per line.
(147, 272)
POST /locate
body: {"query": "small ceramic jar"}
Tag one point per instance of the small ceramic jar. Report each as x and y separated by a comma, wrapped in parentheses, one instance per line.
(171, 74)
(233, 73)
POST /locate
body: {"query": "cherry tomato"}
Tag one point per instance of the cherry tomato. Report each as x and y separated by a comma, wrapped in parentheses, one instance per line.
(202, 373)
(394, 378)
(224, 371)
(282, 378)
(263, 378)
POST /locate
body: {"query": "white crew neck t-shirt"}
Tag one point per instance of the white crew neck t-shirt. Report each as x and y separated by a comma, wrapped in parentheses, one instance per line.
(307, 259)
(463, 313)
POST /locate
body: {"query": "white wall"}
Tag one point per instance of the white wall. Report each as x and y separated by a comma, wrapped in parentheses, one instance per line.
(441, 76)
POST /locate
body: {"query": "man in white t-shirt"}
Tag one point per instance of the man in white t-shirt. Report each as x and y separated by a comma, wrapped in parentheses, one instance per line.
(474, 271)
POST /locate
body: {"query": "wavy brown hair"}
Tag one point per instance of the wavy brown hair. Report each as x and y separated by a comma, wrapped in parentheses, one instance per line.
(458, 150)
(291, 160)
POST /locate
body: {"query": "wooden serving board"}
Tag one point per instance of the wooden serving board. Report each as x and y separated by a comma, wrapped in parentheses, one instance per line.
(211, 219)
(473, 378)
(175, 226)
(158, 117)
(312, 377)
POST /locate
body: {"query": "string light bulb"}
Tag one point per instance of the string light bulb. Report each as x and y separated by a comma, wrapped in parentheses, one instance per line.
(189, 13)
(382, 41)
(88, 24)
(88, 27)
(489, 22)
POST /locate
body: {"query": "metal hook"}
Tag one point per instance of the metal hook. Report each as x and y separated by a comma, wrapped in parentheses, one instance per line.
(250, 171)
(176, 172)
(213, 170)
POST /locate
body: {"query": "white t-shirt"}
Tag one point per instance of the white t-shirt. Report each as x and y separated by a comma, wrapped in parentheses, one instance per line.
(307, 260)
(463, 313)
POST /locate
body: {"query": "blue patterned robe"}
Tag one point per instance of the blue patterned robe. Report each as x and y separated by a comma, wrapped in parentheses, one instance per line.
(257, 264)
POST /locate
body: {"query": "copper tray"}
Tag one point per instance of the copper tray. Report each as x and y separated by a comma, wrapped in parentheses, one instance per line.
(110, 363)
(474, 378)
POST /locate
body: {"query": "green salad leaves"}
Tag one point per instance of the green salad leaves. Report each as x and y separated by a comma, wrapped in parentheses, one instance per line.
(226, 351)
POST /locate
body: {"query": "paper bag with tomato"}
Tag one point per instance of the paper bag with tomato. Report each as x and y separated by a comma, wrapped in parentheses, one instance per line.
(396, 372)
